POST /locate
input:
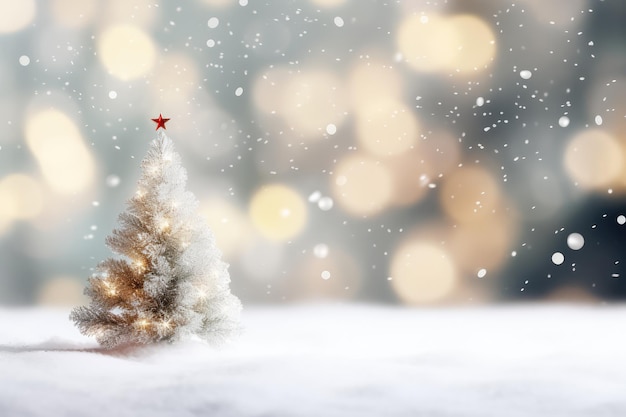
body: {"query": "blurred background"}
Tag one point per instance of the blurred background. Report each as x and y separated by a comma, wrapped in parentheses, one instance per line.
(402, 152)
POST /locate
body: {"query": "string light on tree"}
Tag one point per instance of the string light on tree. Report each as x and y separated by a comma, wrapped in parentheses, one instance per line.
(170, 282)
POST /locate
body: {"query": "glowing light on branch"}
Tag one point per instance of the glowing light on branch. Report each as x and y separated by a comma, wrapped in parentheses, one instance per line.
(164, 225)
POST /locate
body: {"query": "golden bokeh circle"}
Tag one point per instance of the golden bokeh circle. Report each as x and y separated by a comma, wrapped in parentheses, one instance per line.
(312, 99)
(387, 128)
(593, 158)
(470, 193)
(422, 272)
(476, 44)
(58, 147)
(126, 51)
(427, 43)
(373, 81)
(229, 225)
(362, 185)
(278, 212)
(21, 196)
(16, 15)
(447, 44)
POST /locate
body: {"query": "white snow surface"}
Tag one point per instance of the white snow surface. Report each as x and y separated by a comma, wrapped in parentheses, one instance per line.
(330, 360)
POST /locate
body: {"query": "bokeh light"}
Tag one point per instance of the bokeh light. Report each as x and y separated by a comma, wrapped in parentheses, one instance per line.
(21, 198)
(229, 224)
(460, 43)
(278, 212)
(16, 15)
(476, 43)
(427, 43)
(311, 100)
(484, 243)
(56, 143)
(372, 81)
(469, 194)
(362, 185)
(126, 51)
(593, 159)
(386, 128)
(422, 272)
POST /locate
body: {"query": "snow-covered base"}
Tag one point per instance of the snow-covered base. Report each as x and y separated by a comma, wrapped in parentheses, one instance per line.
(330, 360)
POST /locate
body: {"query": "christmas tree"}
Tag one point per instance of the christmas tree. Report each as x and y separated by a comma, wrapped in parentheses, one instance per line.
(170, 282)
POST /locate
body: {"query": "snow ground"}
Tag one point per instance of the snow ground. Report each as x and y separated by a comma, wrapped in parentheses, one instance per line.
(330, 360)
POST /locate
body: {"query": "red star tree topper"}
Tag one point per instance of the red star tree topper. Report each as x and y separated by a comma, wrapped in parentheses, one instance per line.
(160, 122)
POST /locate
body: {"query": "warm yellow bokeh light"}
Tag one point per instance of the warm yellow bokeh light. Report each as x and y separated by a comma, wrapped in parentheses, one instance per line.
(362, 186)
(427, 43)
(278, 212)
(126, 51)
(16, 15)
(593, 158)
(62, 292)
(387, 128)
(311, 100)
(20, 196)
(455, 44)
(373, 81)
(484, 244)
(476, 44)
(469, 194)
(56, 143)
(228, 223)
(422, 272)
(72, 13)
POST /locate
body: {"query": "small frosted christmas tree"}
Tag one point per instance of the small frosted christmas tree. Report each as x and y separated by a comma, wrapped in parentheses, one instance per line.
(170, 283)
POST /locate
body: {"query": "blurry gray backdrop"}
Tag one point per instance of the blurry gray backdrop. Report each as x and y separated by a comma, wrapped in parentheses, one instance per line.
(412, 152)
